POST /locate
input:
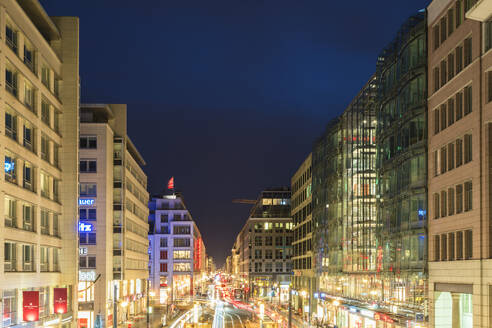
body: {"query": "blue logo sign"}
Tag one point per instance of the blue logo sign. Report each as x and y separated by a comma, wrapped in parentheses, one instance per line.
(85, 227)
(9, 167)
(85, 201)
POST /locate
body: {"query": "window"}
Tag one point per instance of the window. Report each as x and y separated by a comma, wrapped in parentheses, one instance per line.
(28, 56)
(56, 155)
(258, 254)
(450, 111)
(88, 189)
(56, 190)
(163, 242)
(468, 196)
(11, 125)
(28, 217)
(45, 222)
(163, 267)
(258, 241)
(182, 267)
(11, 81)
(459, 199)
(459, 245)
(459, 59)
(28, 137)
(443, 160)
(279, 267)
(444, 248)
(44, 259)
(437, 206)
(278, 241)
(10, 257)
(88, 166)
(489, 86)
(443, 117)
(181, 242)
(10, 168)
(450, 201)
(181, 255)
(258, 267)
(268, 254)
(450, 21)
(87, 262)
(468, 100)
(11, 38)
(459, 152)
(444, 74)
(467, 51)
(45, 148)
(468, 148)
(436, 79)
(45, 76)
(451, 246)
(468, 244)
(444, 30)
(435, 30)
(10, 212)
(56, 121)
(45, 112)
(29, 96)
(56, 226)
(28, 258)
(163, 255)
(450, 156)
(459, 106)
(458, 13)
(88, 142)
(488, 35)
(444, 204)
(436, 121)
(436, 163)
(279, 253)
(45, 184)
(87, 238)
(87, 214)
(268, 241)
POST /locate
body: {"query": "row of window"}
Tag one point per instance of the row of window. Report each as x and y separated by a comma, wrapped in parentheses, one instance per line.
(453, 246)
(302, 196)
(279, 241)
(178, 267)
(454, 200)
(302, 264)
(88, 166)
(88, 142)
(136, 246)
(49, 258)
(279, 254)
(177, 255)
(453, 155)
(135, 209)
(268, 227)
(302, 248)
(164, 218)
(50, 150)
(87, 262)
(301, 215)
(28, 57)
(454, 63)
(136, 228)
(301, 180)
(453, 109)
(447, 24)
(301, 231)
(279, 267)
(49, 221)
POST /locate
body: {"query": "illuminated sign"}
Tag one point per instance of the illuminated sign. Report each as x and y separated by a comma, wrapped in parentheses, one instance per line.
(86, 201)
(87, 275)
(9, 167)
(82, 250)
(85, 227)
(422, 212)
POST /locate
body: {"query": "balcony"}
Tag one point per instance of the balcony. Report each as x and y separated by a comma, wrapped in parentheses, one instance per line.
(480, 10)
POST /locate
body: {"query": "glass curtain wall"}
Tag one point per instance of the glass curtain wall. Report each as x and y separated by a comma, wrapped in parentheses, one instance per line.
(401, 259)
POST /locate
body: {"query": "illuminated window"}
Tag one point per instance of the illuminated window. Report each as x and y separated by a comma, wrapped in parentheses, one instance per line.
(181, 267)
(180, 255)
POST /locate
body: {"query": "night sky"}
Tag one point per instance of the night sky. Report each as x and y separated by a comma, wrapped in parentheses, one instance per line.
(228, 96)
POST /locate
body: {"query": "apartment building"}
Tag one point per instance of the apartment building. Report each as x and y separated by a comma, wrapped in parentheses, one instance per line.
(39, 56)
(113, 227)
(264, 245)
(303, 281)
(459, 95)
(178, 261)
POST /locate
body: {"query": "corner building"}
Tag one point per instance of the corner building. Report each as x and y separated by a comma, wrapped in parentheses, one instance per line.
(460, 136)
(113, 227)
(39, 61)
(303, 281)
(344, 214)
(178, 260)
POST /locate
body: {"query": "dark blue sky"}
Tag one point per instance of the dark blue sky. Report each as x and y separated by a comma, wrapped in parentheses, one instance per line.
(228, 96)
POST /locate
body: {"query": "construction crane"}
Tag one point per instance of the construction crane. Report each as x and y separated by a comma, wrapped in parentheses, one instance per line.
(244, 201)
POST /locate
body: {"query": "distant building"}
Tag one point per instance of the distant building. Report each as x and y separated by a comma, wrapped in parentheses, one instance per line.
(210, 264)
(264, 246)
(228, 265)
(113, 213)
(303, 281)
(177, 252)
(38, 147)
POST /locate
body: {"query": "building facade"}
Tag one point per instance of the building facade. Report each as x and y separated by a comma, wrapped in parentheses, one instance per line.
(265, 246)
(303, 280)
(178, 257)
(401, 261)
(39, 59)
(459, 101)
(344, 213)
(113, 228)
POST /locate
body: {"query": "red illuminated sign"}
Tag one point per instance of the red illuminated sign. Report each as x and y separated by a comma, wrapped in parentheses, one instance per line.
(170, 184)
(30, 306)
(60, 300)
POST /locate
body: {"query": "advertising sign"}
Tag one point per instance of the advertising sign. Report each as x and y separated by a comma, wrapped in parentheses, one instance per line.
(60, 300)
(30, 305)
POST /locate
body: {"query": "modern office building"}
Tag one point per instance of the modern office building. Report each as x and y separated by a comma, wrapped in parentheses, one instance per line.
(113, 227)
(344, 214)
(401, 258)
(264, 246)
(303, 280)
(39, 58)
(460, 133)
(177, 252)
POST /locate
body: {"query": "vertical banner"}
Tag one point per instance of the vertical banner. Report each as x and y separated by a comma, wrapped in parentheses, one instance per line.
(30, 306)
(60, 300)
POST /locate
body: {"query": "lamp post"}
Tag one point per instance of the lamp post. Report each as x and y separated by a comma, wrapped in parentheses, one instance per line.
(290, 307)
(148, 303)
